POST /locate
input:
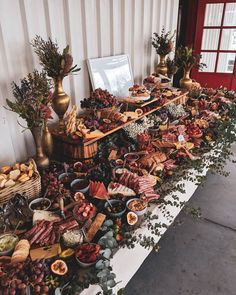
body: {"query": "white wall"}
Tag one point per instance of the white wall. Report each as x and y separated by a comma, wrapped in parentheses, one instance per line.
(93, 28)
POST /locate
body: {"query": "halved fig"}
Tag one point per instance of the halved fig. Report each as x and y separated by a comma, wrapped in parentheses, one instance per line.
(132, 218)
(59, 267)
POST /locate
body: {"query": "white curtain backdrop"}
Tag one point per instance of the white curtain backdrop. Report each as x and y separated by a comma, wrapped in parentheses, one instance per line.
(92, 28)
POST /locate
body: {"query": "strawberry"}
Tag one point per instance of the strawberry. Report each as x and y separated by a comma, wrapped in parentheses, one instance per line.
(118, 222)
(119, 237)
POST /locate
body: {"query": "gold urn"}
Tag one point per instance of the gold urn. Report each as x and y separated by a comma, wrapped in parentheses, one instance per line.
(161, 68)
(41, 159)
(60, 101)
(186, 82)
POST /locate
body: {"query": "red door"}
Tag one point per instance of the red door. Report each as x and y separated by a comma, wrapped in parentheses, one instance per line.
(215, 39)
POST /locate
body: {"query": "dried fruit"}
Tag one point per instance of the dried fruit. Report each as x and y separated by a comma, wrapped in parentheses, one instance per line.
(59, 267)
(67, 253)
(132, 218)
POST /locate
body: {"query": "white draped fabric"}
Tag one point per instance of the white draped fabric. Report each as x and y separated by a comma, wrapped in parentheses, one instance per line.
(93, 28)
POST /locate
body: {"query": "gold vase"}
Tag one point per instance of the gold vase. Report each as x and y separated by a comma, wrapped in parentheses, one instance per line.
(41, 159)
(60, 101)
(161, 68)
(186, 82)
(47, 142)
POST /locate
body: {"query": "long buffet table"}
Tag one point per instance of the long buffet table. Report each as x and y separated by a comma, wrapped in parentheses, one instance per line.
(126, 262)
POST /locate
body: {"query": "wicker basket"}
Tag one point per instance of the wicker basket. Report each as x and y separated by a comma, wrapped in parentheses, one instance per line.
(30, 188)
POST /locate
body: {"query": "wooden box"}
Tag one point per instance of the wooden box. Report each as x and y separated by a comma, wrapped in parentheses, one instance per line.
(69, 150)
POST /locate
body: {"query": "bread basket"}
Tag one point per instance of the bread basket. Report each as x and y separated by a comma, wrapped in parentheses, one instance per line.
(31, 187)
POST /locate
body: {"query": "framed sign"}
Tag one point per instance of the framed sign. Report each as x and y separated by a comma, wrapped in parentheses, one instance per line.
(113, 73)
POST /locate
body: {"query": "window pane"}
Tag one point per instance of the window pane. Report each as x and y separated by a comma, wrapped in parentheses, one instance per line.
(228, 39)
(210, 39)
(209, 58)
(213, 14)
(230, 14)
(226, 62)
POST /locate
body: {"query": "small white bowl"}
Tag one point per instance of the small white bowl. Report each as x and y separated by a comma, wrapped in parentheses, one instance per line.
(139, 213)
(38, 200)
(9, 251)
(82, 190)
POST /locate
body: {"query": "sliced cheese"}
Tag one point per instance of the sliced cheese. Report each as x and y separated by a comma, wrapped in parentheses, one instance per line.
(44, 215)
(93, 134)
(116, 188)
(45, 252)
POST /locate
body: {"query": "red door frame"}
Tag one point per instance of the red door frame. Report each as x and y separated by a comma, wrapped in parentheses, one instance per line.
(222, 78)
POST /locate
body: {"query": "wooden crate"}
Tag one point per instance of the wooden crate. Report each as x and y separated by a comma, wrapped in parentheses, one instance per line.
(68, 150)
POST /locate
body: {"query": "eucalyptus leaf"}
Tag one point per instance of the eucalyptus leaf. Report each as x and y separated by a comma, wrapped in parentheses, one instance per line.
(109, 234)
(103, 273)
(104, 228)
(111, 283)
(110, 243)
(108, 222)
(106, 253)
(100, 264)
(58, 291)
(111, 276)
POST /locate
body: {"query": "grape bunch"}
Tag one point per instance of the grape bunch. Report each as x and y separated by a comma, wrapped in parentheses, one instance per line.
(55, 189)
(14, 280)
(99, 99)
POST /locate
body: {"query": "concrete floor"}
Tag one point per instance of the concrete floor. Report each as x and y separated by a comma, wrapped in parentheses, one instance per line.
(199, 256)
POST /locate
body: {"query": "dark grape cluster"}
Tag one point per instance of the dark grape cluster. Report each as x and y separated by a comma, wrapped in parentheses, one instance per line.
(14, 280)
(53, 185)
(102, 173)
(99, 99)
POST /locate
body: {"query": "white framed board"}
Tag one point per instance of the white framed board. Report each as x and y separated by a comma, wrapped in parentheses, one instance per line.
(113, 73)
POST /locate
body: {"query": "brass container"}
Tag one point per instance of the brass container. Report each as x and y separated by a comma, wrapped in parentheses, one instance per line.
(60, 101)
(47, 141)
(161, 68)
(186, 82)
(41, 159)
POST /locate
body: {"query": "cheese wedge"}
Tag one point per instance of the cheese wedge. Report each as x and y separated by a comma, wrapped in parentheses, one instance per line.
(115, 188)
(44, 215)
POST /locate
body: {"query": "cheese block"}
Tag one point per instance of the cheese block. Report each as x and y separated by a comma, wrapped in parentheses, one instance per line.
(45, 252)
(95, 226)
(93, 134)
(44, 215)
(115, 188)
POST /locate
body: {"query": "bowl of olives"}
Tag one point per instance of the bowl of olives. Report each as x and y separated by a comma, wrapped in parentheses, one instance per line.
(115, 208)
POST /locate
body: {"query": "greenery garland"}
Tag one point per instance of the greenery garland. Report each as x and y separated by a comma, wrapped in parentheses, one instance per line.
(212, 156)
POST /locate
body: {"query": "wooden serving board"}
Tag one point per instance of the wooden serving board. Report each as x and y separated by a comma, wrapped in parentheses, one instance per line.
(45, 252)
(70, 150)
(141, 104)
